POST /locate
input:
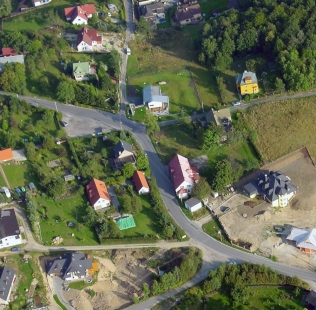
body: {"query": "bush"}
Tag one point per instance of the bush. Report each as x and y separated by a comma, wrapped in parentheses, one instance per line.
(246, 97)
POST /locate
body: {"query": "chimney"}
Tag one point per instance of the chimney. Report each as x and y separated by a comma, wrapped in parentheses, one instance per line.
(265, 178)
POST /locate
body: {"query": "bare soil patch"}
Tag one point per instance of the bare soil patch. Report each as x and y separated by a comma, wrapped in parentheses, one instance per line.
(258, 227)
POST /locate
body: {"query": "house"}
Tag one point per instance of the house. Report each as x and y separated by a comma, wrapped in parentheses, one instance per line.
(70, 266)
(189, 14)
(247, 83)
(88, 40)
(183, 176)
(79, 15)
(9, 229)
(219, 117)
(311, 300)
(81, 71)
(40, 2)
(275, 187)
(145, 2)
(152, 11)
(7, 279)
(155, 100)
(140, 182)
(304, 239)
(8, 51)
(193, 204)
(11, 60)
(98, 194)
(6, 154)
(123, 153)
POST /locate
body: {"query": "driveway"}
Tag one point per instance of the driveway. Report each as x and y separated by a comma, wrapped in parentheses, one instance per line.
(58, 287)
(114, 199)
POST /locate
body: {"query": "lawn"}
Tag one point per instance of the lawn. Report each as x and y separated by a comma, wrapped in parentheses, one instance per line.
(166, 24)
(2, 182)
(292, 120)
(213, 6)
(139, 115)
(212, 228)
(58, 302)
(61, 212)
(19, 175)
(261, 298)
(80, 285)
(145, 221)
(179, 88)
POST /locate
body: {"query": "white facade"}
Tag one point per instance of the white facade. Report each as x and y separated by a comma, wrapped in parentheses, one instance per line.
(84, 47)
(283, 200)
(79, 21)
(194, 208)
(42, 2)
(71, 276)
(184, 185)
(155, 104)
(10, 241)
(143, 190)
(101, 203)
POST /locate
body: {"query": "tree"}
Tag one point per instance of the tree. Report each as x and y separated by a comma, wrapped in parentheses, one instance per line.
(136, 204)
(5, 125)
(167, 232)
(57, 187)
(90, 217)
(104, 153)
(35, 46)
(143, 26)
(5, 8)
(201, 189)
(223, 175)
(30, 151)
(13, 78)
(151, 122)
(250, 164)
(142, 162)
(127, 204)
(279, 85)
(240, 293)
(128, 170)
(31, 207)
(2, 198)
(65, 91)
(211, 140)
(49, 143)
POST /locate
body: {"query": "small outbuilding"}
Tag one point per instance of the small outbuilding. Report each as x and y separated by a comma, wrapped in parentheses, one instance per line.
(193, 204)
(250, 190)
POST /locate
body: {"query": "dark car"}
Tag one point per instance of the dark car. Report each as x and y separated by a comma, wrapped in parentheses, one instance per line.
(226, 209)
(15, 250)
(64, 123)
(18, 191)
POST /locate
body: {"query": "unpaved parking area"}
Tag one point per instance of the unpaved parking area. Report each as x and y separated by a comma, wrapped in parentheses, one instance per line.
(258, 227)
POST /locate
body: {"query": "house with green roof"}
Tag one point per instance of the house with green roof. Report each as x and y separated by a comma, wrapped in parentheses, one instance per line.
(81, 71)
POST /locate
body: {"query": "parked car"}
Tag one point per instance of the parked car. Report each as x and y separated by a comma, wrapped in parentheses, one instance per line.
(236, 103)
(67, 289)
(128, 51)
(226, 209)
(15, 250)
(18, 191)
(6, 191)
(64, 123)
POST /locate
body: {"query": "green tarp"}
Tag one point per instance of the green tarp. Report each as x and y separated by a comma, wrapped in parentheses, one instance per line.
(125, 222)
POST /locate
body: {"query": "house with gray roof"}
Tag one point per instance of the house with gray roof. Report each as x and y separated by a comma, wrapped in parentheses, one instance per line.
(123, 153)
(154, 100)
(275, 187)
(70, 266)
(304, 239)
(152, 11)
(11, 60)
(7, 279)
(193, 204)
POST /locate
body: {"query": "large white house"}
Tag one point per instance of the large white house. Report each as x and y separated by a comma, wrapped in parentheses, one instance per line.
(40, 2)
(88, 40)
(183, 176)
(79, 15)
(7, 279)
(155, 100)
(9, 229)
(98, 194)
(70, 267)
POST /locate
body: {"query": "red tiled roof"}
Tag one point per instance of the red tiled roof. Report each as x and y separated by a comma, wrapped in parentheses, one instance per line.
(88, 35)
(8, 51)
(82, 10)
(96, 189)
(140, 180)
(6, 154)
(182, 191)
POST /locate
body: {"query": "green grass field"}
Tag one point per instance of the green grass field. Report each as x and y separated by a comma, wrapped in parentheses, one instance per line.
(216, 6)
(2, 182)
(165, 24)
(260, 298)
(145, 221)
(179, 88)
(64, 211)
(212, 228)
(19, 175)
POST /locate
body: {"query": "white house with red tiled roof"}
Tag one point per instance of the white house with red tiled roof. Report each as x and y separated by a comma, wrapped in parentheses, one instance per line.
(88, 40)
(98, 194)
(183, 176)
(79, 15)
(140, 182)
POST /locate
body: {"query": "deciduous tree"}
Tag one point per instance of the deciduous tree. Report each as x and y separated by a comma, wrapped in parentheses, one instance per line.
(201, 189)
(223, 175)
(151, 122)
(128, 170)
(65, 91)
(5, 7)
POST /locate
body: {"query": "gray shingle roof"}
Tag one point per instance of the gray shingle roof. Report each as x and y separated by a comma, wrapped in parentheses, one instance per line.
(192, 202)
(6, 278)
(240, 78)
(122, 146)
(70, 262)
(8, 223)
(150, 9)
(153, 93)
(250, 189)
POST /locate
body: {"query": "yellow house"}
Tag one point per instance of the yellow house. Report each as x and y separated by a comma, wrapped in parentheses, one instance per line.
(247, 83)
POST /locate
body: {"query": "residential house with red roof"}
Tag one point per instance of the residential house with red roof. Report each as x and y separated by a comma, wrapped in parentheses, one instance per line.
(79, 15)
(8, 51)
(183, 176)
(6, 154)
(98, 194)
(140, 182)
(88, 40)
(40, 2)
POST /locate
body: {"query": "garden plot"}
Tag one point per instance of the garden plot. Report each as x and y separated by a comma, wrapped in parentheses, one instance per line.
(260, 220)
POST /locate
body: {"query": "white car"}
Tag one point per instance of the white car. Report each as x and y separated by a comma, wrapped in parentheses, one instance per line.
(109, 14)
(128, 51)
(236, 103)
(6, 191)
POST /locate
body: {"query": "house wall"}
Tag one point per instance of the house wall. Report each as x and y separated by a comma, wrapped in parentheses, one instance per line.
(125, 154)
(10, 241)
(79, 21)
(143, 190)
(252, 88)
(83, 46)
(185, 22)
(101, 203)
(195, 208)
(72, 276)
(154, 104)
(42, 2)
(186, 185)
(79, 78)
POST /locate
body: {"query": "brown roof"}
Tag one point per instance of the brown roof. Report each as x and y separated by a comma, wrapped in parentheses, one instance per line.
(88, 35)
(96, 189)
(188, 12)
(6, 154)
(82, 10)
(140, 180)
(8, 51)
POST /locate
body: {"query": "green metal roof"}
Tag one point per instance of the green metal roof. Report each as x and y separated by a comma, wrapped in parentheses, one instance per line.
(126, 222)
(80, 68)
